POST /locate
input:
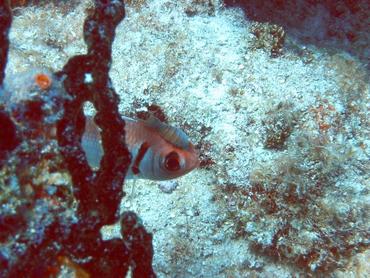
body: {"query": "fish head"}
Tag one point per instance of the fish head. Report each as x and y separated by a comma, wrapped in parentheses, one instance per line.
(160, 151)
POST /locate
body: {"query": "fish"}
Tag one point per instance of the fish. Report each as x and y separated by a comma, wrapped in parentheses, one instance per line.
(158, 151)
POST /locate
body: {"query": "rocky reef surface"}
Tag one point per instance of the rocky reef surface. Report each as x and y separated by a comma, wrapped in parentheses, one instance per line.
(279, 111)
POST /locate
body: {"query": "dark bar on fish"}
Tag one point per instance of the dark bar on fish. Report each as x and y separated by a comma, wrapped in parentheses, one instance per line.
(142, 151)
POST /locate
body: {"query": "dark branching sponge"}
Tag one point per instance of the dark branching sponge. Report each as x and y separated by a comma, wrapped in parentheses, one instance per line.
(99, 31)
(99, 195)
(8, 139)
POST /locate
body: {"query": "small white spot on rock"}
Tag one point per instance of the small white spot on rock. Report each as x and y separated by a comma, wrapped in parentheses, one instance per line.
(168, 186)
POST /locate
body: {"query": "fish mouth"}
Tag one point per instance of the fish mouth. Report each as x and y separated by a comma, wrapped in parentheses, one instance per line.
(195, 163)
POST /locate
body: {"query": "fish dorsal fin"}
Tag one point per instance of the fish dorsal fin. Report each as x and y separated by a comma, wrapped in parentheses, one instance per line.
(127, 119)
(171, 134)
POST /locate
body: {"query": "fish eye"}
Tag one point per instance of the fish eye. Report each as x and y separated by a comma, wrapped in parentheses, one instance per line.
(172, 161)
